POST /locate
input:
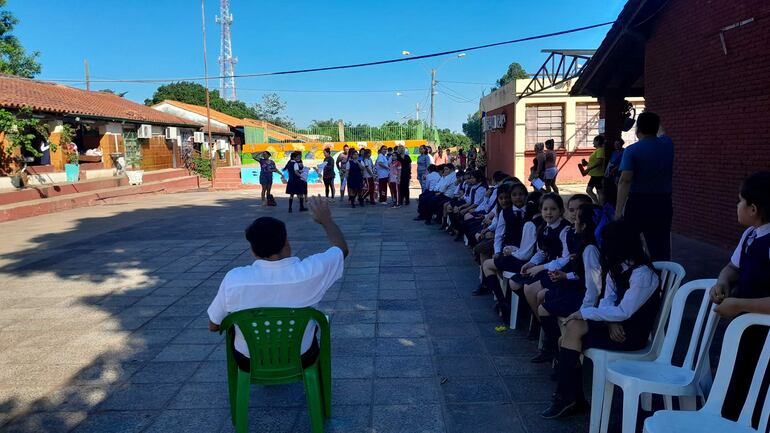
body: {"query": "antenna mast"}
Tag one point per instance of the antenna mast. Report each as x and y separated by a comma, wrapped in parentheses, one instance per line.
(226, 60)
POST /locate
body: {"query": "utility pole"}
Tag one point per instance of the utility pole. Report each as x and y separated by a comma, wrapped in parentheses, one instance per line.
(206, 80)
(88, 81)
(417, 115)
(432, 98)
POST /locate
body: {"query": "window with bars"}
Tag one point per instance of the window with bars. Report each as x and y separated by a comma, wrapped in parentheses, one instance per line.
(544, 121)
(586, 125)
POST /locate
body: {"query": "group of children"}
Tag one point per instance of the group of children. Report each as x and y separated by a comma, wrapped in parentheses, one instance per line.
(587, 278)
(358, 172)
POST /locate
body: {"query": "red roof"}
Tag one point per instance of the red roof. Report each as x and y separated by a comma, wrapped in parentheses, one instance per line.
(17, 92)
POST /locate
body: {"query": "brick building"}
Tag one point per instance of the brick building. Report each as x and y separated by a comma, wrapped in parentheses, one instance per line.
(513, 124)
(703, 67)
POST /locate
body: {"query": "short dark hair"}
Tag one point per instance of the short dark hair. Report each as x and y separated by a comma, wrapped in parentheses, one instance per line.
(267, 236)
(599, 139)
(432, 168)
(648, 123)
(755, 189)
(499, 176)
(549, 143)
(326, 149)
(582, 197)
(449, 166)
(345, 146)
(478, 175)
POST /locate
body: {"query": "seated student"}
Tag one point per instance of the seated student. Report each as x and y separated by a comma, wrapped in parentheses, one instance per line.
(277, 279)
(457, 192)
(622, 321)
(443, 190)
(485, 238)
(432, 180)
(551, 244)
(576, 285)
(535, 291)
(744, 287)
(472, 199)
(512, 233)
(472, 221)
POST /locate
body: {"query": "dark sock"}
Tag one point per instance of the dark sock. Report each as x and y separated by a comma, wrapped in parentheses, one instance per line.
(551, 333)
(493, 284)
(569, 367)
(301, 203)
(291, 202)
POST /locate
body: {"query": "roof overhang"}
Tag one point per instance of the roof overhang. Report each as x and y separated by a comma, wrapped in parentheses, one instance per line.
(617, 67)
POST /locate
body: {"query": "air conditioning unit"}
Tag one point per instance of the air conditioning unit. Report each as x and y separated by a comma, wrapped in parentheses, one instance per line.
(171, 133)
(145, 131)
(198, 137)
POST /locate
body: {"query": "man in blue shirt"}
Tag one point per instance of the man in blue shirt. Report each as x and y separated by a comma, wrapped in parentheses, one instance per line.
(644, 189)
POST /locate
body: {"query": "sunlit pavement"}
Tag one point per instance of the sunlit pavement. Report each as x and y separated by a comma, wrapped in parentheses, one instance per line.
(103, 325)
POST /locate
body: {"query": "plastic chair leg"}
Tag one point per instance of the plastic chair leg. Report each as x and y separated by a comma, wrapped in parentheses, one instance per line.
(242, 402)
(630, 410)
(646, 401)
(326, 385)
(597, 393)
(606, 405)
(314, 398)
(668, 402)
(514, 308)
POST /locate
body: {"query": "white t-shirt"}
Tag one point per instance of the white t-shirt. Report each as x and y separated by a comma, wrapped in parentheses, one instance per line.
(286, 283)
(368, 164)
(383, 166)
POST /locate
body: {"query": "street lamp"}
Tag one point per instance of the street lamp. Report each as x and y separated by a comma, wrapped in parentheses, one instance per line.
(433, 82)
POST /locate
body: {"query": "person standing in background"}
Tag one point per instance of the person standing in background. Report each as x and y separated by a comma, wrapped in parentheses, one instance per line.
(550, 167)
(440, 158)
(382, 167)
(472, 157)
(369, 174)
(406, 175)
(462, 159)
(423, 161)
(341, 162)
(481, 159)
(594, 168)
(328, 173)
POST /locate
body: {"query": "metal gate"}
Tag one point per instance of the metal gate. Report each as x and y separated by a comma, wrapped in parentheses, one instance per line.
(133, 149)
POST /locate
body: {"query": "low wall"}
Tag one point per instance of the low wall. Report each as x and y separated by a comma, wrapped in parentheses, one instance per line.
(567, 163)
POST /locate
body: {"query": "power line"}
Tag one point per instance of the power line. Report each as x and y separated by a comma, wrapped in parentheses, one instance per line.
(355, 65)
(468, 82)
(332, 91)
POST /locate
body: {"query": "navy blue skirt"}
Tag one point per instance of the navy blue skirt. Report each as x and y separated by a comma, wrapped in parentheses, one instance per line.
(541, 276)
(564, 298)
(508, 264)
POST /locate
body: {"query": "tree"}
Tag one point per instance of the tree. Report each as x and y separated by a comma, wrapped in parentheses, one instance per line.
(472, 128)
(13, 59)
(272, 108)
(112, 92)
(448, 138)
(515, 72)
(183, 91)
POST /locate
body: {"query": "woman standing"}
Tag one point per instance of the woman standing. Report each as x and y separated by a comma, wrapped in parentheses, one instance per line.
(355, 169)
(481, 159)
(550, 167)
(342, 159)
(423, 161)
(266, 170)
(463, 159)
(296, 185)
(594, 168)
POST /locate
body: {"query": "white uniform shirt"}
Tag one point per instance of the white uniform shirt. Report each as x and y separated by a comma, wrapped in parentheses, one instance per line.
(432, 180)
(593, 272)
(478, 196)
(446, 182)
(528, 237)
(758, 232)
(540, 256)
(382, 166)
(368, 168)
(643, 283)
(286, 283)
(488, 203)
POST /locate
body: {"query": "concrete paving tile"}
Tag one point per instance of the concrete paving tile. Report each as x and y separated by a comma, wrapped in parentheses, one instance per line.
(49, 422)
(140, 396)
(483, 417)
(503, 345)
(352, 391)
(399, 316)
(411, 390)
(532, 422)
(201, 396)
(397, 285)
(389, 294)
(465, 366)
(474, 390)
(165, 372)
(399, 304)
(530, 388)
(403, 366)
(345, 419)
(519, 365)
(210, 371)
(361, 305)
(408, 418)
(401, 330)
(353, 330)
(455, 345)
(269, 420)
(189, 420)
(352, 367)
(184, 352)
(403, 346)
(352, 347)
(116, 422)
(352, 317)
(452, 329)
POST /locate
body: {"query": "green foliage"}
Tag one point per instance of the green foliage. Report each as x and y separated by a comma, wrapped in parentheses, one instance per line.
(515, 72)
(328, 130)
(270, 109)
(448, 138)
(202, 166)
(19, 129)
(472, 128)
(13, 59)
(133, 153)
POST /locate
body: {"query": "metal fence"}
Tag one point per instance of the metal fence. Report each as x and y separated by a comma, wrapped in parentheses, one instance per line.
(360, 133)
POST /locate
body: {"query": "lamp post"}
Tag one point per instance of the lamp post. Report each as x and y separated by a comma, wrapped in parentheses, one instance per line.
(433, 83)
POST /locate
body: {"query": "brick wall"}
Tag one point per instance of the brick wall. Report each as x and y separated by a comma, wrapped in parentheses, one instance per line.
(156, 153)
(716, 107)
(500, 142)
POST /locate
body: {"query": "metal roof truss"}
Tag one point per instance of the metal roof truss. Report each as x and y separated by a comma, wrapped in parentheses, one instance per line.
(559, 67)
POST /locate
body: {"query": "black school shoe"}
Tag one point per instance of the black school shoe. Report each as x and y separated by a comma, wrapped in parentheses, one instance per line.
(559, 408)
(542, 357)
(480, 291)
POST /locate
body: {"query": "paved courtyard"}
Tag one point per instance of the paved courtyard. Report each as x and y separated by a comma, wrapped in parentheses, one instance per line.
(103, 326)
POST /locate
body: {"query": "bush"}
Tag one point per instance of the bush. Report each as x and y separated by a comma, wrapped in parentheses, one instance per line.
(202, 166)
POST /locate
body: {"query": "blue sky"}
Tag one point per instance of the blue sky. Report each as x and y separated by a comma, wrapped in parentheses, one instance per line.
(162, 39)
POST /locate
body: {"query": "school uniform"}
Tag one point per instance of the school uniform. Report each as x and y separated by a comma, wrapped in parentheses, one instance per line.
(752, 259)
(406, 178)
(472, 226)
(582, 286)
(435, 203)
(633, 301)
(431, 185)
(515, 230)
(551, 244)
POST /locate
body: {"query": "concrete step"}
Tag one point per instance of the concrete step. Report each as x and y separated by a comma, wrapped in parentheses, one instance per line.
(41, 206)
(63, 189)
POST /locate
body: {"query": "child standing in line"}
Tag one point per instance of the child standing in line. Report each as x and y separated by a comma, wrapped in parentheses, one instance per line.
(355, 170)
(369, 175)
(744, 287)
(394, 178)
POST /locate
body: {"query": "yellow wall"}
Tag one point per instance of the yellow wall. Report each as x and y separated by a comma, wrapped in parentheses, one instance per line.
(337, 145)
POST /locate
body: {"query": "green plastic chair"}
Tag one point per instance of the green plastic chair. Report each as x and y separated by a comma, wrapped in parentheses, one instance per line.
(274, 339)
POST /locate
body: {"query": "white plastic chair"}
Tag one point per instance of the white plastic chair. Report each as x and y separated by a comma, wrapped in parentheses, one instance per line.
(671, 275)
(709, 418)
(661, 376)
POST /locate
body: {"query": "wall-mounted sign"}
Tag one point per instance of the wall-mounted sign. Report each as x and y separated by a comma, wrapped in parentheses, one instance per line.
(601, 126)
(490, 123)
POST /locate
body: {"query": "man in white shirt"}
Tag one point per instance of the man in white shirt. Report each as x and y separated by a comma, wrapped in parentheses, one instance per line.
(442, 195)
(382, 167)
(276, 279)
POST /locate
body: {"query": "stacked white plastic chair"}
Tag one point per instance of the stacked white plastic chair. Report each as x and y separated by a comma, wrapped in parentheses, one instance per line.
(709, 418)
(661, 376)
(671, 277)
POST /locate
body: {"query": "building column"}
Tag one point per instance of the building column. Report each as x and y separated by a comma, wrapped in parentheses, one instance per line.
(611, 110)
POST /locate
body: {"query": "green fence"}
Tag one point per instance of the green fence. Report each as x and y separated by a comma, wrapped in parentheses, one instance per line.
(361, 133)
